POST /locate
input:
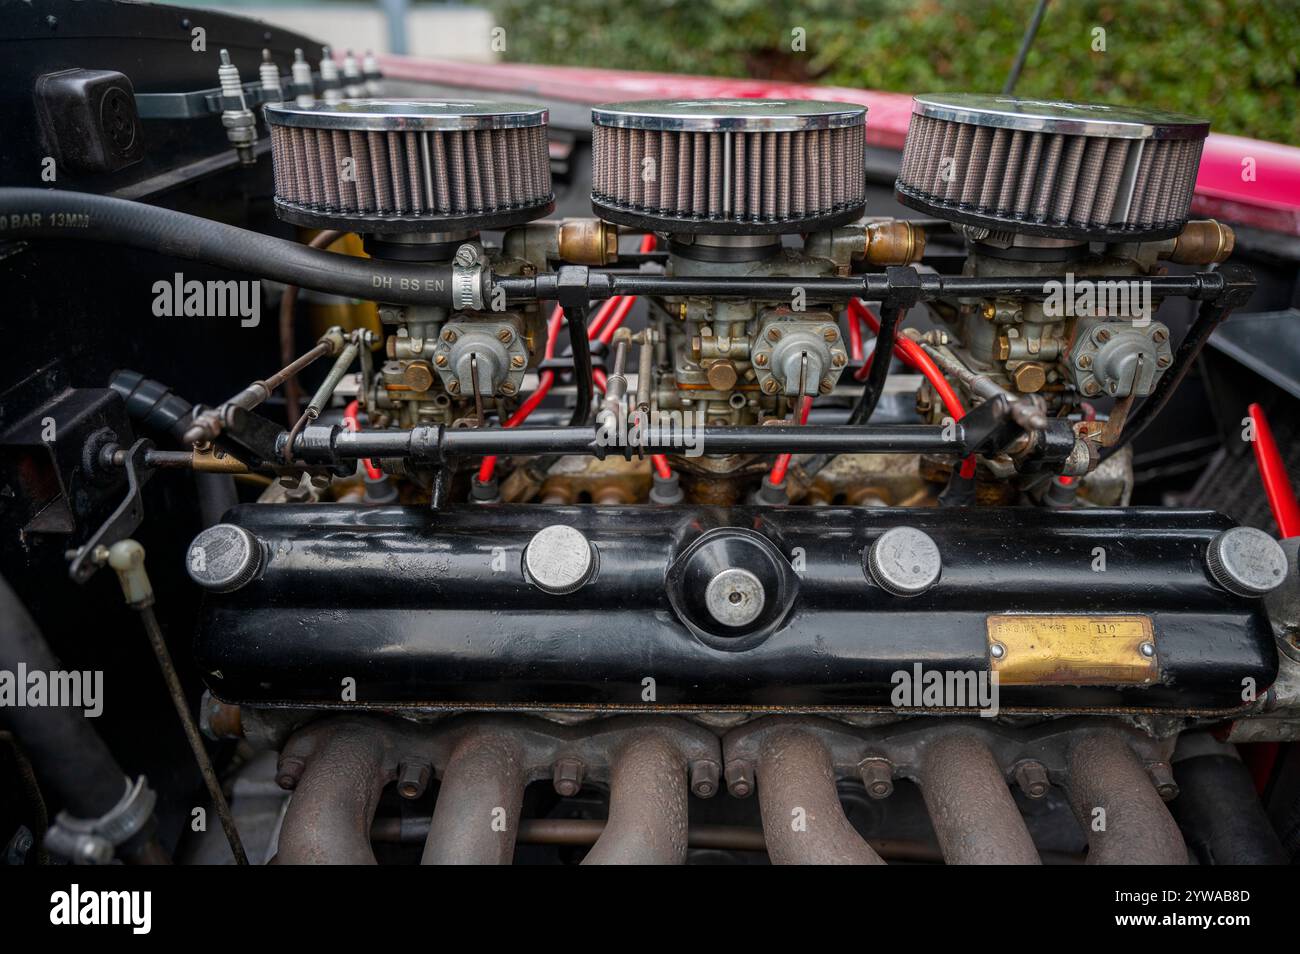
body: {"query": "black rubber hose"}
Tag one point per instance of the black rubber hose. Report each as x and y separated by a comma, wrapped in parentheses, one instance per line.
(890, 319)
(82, 216)
(71, 761)
(1221, 817)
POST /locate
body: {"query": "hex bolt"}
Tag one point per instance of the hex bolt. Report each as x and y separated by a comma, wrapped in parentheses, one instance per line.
(878, 776)
(566, 776)
(1032, 778)
(414, 779)
(704, 778)
(740, 778)
(1162, 777)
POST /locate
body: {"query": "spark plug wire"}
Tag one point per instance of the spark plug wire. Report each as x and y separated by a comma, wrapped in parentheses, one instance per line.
(351, 423)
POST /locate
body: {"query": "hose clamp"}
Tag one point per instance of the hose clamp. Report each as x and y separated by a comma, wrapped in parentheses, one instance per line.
(467, 279)
(92, 841)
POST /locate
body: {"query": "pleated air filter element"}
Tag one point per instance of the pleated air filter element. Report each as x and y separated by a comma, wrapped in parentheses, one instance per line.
(385, 167)
(737, 166)
(1064, 170)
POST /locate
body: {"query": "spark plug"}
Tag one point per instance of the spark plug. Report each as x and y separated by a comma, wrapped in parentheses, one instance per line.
(241, 126)
(269, 74)
(303, 90)
(370, 70)
(331, 86)
(353, 81)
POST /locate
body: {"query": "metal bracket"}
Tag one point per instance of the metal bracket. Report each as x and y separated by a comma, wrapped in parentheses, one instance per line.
(122, 523)
(196, 104)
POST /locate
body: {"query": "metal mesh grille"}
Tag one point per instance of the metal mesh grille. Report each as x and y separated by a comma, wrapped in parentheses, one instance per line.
(1049, 179)
(759, 177)
(411, 173)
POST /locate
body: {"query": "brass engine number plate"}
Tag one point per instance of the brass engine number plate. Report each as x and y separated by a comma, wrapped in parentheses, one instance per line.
(1073, 650)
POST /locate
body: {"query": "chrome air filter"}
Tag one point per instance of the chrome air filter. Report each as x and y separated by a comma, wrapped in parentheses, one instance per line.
(730, 166)
(1064, 170)
(386, 166)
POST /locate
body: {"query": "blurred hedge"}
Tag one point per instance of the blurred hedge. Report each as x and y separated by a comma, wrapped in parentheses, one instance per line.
(1234, 61)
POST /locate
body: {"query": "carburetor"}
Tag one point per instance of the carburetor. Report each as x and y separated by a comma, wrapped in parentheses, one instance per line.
(1052, 188)
(727, 181)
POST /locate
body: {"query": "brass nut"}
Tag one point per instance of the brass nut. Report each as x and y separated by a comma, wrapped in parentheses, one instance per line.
(418, 376)
(1030, 377)
(722, 375)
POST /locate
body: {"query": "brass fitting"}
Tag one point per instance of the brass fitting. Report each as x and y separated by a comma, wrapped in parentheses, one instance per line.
(894, 242)
(588, 242)
(1202, 242)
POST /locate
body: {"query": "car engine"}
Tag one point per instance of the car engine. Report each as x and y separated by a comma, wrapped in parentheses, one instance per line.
(499, 481)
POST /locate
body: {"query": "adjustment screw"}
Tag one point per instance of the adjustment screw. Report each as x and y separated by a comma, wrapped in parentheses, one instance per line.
(769, 386)
(740, 778)
(1246, 561)
(903, 561)
(1031, 776)
(773, 334)
(566, 776)
(760, 359)
(830, 333)
(1162, 777)
(414, 779)
(704, 778)
(878, 776)
(505, 336)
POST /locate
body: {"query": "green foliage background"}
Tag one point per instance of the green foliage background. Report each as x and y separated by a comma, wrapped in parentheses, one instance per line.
(1236, 62)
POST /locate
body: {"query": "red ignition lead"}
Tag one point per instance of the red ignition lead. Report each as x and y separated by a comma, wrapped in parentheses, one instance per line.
(914, 356)
(783, 461)
(1272, 473)
(350, 422)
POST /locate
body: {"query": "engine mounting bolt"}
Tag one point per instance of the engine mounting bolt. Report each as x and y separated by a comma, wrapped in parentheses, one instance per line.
(760, 359)
(566, 776)
(773, 334)
(903, 561)
(740, 778)
(704, 778)
(1246, 561)
(1032, 778)
(559, 559)
(1162, 777)
(878, 776)
(414, 779)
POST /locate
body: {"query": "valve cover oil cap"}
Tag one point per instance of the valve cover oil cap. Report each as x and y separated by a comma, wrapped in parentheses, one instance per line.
(1246, 561)
(559, 560)
(223, 558)
(904, 561)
